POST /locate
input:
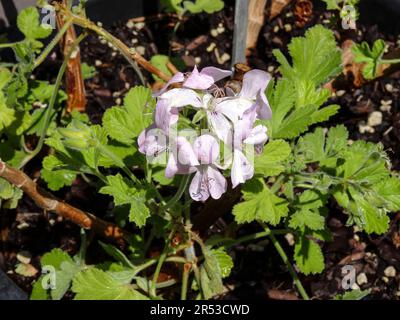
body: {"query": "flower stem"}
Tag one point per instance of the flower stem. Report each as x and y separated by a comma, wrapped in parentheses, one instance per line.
(185, 280)
(179, 193)
(285, 259)
(390, 61)
(52, 44)
(52, 101)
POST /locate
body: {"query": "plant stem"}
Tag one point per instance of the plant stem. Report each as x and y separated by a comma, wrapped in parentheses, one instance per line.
(52, 44)
(52, 101)
(160, 262)
(185, 280)
(131, 56)
(103, 149)
(254, 236)
(285, 259)
(390, 61)
(179, 193)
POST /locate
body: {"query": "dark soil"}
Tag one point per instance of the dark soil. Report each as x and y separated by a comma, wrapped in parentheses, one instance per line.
(259, 272)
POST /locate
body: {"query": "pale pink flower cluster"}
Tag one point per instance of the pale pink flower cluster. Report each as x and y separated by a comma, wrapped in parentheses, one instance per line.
(230, 119)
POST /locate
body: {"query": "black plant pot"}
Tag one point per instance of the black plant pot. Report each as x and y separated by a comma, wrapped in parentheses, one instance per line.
(9, 290)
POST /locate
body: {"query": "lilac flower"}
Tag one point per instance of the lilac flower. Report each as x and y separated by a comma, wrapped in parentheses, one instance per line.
(197, 80)
(253, 89)
(207, 180)
(245, 134)
(200, 158)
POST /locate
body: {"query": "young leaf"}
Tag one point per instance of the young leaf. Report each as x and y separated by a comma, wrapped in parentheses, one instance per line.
(123, 193)
(353, 295)
(160, 61)
(28, 23)
(371, 57)
(224, 261)
(210, 274)
(55, 177)
(208, 6)
(95, 284)
(260, 204)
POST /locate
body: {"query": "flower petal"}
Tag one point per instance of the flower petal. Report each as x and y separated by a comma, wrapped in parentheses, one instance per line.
(242, 169)
(198, 188)
(233, 108)
(206, 148)
(165, 116)
(199, 81)
(178, 77)
(254, 81)
(220, 126)
(257, 136)
(216, 182)
(152, 141)
(180, 97)
(215, 73)
(264, 111)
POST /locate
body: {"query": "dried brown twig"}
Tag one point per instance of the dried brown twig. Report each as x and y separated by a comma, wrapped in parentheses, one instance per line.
(47, 201)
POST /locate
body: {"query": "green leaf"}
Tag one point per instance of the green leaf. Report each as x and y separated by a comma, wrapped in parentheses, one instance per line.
(269, 163)
(55, 177)
(307, 218)
(123, 193)
(208, 6)
(6, 114)
(127, 122)
(371, 57)
(224, 260)
(389, 190)
(55, 258)
(332, 4)
(260, 204)
(336, 140)
(353, 295)
(308, 256)
(95, 284)
(160, 61)
(116, 254)
(210, 275)
(28, 23)
(88, 72)
(315, 57)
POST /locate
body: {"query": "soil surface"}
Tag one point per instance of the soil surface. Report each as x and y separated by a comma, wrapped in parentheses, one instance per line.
(259, 272)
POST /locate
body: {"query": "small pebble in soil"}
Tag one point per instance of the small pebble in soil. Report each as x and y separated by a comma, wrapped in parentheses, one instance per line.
(340, 93)
(390, 272)
(99, 24)
(221, 30)
(386, 105)
(118, 101)
(211, 47)
(134, 41)
(139, 25)
(141, 50)
(24, 257)
(362, 279)
(271, 69)
(32, 77)
(130, 24)
(287, 27)
(22, 226)
(364, 128)
(114, 54)
(356, 237)
(375, 119)
(276, 29)
(127, 85)
(290, 239)
(214, 33)
(52, 222)
(98, 63)
(388, 87)
(103, 41)
(197, 60)
(385, 279)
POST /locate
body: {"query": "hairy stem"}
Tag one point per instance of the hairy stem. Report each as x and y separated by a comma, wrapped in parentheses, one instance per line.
(285, 259)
